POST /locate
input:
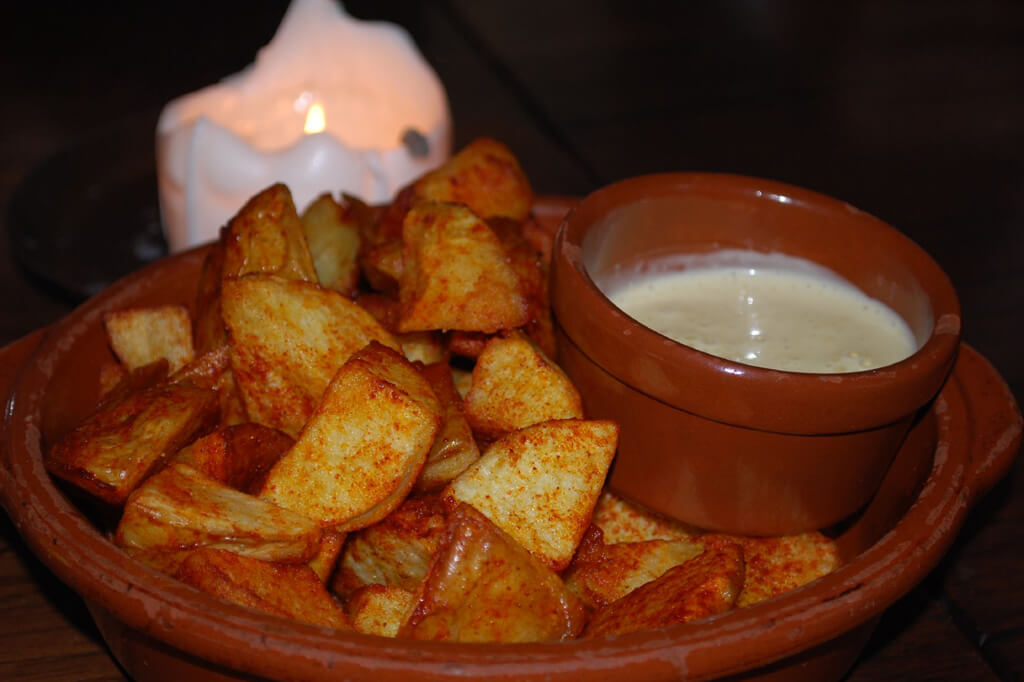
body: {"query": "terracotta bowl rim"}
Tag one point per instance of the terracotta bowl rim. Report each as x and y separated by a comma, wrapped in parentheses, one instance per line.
(575, 297)
(168, 610)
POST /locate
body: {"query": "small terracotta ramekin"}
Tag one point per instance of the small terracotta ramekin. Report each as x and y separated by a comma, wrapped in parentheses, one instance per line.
(719, 444)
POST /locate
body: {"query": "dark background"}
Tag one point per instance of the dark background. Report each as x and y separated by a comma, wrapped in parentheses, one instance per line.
(912, 111)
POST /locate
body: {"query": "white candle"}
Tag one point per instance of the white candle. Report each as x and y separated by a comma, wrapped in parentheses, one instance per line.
(325, 107)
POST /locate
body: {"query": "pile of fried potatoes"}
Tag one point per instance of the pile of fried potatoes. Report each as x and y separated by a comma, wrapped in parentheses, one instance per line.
(359, 425)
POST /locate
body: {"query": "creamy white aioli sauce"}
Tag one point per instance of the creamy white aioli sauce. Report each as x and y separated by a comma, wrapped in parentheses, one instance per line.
(803, 319)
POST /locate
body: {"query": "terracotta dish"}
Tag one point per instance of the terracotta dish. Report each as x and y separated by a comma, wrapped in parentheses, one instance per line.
(719, 444)
(160, 629)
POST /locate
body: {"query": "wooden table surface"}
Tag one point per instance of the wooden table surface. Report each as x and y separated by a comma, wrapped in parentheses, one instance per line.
(912, 111)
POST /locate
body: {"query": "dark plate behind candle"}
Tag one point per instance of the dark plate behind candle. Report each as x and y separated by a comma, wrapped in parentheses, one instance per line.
(90, 214)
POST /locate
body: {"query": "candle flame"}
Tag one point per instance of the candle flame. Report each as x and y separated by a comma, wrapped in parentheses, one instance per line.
(315, 121)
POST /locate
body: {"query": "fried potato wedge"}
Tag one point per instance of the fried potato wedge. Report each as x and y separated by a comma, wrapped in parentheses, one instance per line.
(205, 370)
(266, 237)
(468, 344)
(208, 327)
(213, 370)
(463, 381)
(333, 240)
(485, 176)
(621, 521)
(532, 271)
(384, 309)
(483, 587)
(326, 560)
(140, 336)
(540, 484)
(238, 456)
(138, 379)
(383, 264)
(601, 574)
(777, 565)
(454, 448)
(455, 274)
(288, 339)
(287, 590)
(388, 223)
(424, 347)
(514, 386)
(126, 440)
(394, 551)
(380, 609)
(701, 587)
(181, 508)
(111, 374)
(363, 448)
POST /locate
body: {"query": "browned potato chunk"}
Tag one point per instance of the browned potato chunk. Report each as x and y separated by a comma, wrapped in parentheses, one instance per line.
(333, 239)
(424, 347)
(484, 587)
(454, 448)
(532, 272)
(463, 381)
(514, 386)
(383, 264)
(363, 448)
(238, 456)
(325, 561)
(621, 521)
(266, 237)
(468, 344)
(455, 274)
(212, 369)
(182, 508)
(485, 176)
(600, 573)
(540, 484)
(778, 565)
(205, 370)
(208, 328)
(140, 336)
(286, 590)
(111, 374)
(699, 588)
(232, 408)
(138, 379)
(288, 339)
(127, 439)
(395, 551)
(380, 609)
(384, 309)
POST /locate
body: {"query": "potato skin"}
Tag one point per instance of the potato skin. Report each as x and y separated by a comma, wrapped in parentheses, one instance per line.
(132, 436)
(701, 587)
(287, 590)
(238, 456)
(182, 508)
(485, 176)
(601, 574)
(266, 237)
(484, 587)
(395, 551)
